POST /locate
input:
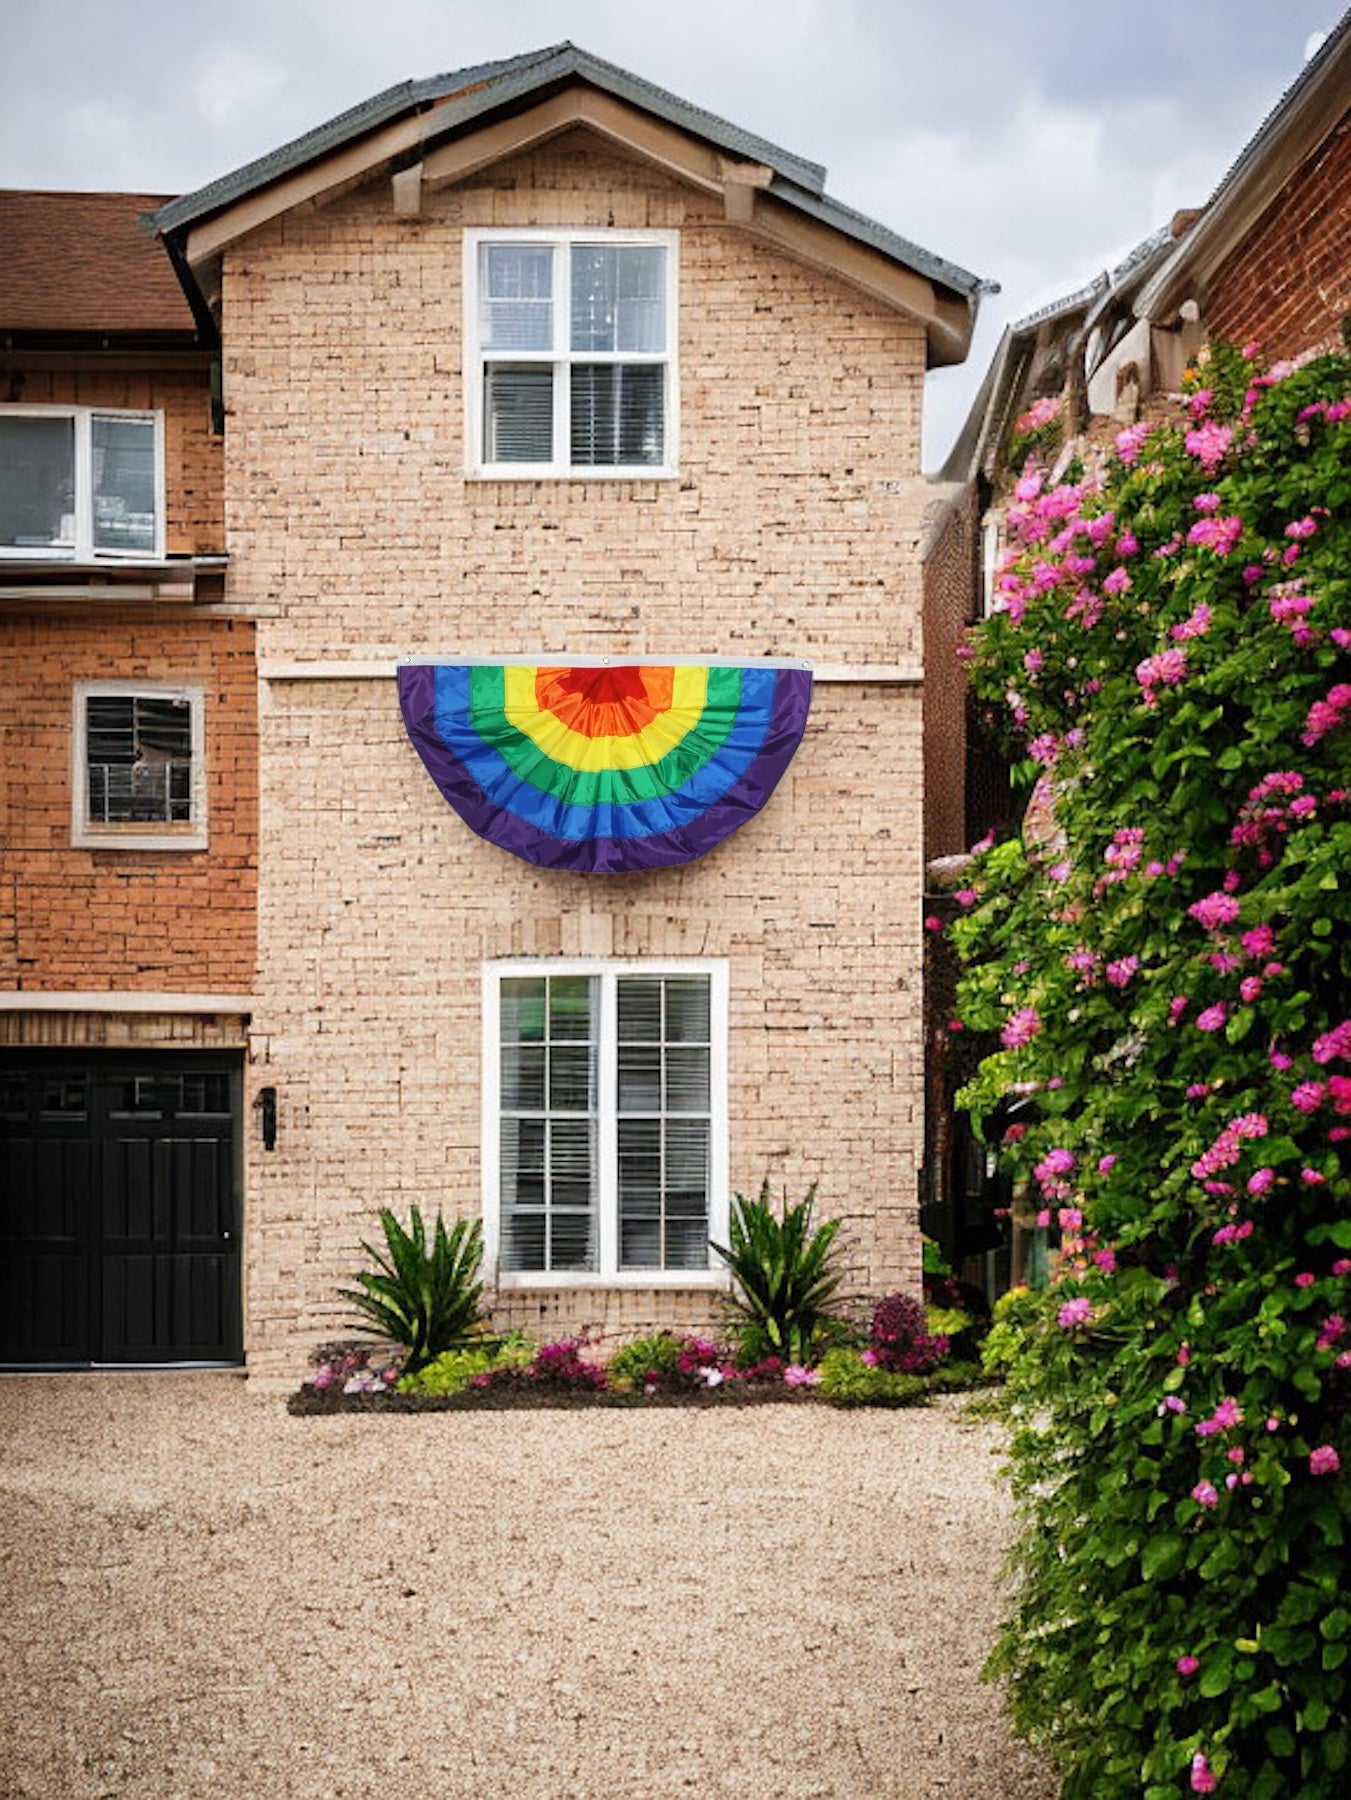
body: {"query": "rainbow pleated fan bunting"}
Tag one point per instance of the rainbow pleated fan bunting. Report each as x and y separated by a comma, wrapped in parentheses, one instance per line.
(602, 766)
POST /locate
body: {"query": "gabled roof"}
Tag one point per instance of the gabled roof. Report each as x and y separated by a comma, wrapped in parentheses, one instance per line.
(85, 263)
(415, 119)
(1299, 122)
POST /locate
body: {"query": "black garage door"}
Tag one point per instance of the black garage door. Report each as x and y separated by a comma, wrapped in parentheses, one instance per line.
(119, 1214)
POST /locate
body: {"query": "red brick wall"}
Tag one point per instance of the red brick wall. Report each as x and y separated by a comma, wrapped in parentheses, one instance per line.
(176, 920)
(951, 577)
(193, 459)
(1288, 284)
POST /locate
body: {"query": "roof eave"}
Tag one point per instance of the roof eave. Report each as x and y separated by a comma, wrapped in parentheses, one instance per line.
(1301, 121)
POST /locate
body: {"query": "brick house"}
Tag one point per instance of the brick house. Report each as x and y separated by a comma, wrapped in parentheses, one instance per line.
(536, 368)
(127, 805)
(1268, 258)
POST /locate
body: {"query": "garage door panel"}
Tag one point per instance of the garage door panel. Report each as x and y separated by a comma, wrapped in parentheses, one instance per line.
(165, 1308)
(118, 1228)
(44, 1308)
(44, 1191)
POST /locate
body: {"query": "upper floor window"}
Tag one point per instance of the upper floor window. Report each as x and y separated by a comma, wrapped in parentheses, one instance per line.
(139, 776)
(570, 352)
(81, 483)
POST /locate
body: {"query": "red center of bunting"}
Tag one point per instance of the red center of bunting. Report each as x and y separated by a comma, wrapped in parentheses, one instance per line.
(613, 702)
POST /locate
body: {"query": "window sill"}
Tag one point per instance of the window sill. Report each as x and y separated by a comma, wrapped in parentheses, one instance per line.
(535, 472)
(135, 839)
(702, 1280)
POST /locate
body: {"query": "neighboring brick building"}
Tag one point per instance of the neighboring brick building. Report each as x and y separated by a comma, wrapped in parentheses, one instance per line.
(1266, 260)
(396, 487)
(1269, 258)
(128, 804)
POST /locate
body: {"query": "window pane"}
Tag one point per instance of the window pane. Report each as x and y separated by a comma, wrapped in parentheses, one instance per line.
(138, 750)
(37, 483)
(572, 1241)
(639, 1010)
(687, 1005)
(618, 414)
(639, 1168)
(687, 1081)
(686, 1244)
(570, 1160)
(522, 1078)
(124, 483)
(518, 413)
(523, 1241)
(639, 1079)
(548, 1178)
(619, 297)
(569, 1006)
(516, 297)
(523, 1010)
(687, 1168)
(570, 1084)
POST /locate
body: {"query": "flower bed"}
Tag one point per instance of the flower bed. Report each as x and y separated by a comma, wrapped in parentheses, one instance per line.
(508, 1374)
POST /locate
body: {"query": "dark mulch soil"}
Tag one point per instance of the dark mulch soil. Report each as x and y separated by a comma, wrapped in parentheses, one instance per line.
(309, 1402)
(536, 1396)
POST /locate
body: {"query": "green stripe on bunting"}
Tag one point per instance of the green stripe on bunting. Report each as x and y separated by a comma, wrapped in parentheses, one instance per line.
(601, 787)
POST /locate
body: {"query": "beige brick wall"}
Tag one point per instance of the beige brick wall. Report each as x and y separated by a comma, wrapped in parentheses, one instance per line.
(791, 529)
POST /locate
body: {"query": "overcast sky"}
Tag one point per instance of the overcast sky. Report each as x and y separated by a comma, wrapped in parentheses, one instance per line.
(1032, 143)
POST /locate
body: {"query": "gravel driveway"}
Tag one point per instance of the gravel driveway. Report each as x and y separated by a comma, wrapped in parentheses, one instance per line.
(204, 1597)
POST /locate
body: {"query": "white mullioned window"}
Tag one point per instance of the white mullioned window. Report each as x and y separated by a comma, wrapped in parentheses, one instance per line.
(81, 483)
(138, 776)
(605, 1121)
(570, 366)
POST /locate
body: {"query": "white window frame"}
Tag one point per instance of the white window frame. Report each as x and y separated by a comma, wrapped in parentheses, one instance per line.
(137, 834)
(561, 356)
(608, 1273)
(84, 550)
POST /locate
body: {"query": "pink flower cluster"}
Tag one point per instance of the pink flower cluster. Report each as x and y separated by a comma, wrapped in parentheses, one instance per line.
(1232, 1234)
(1208, 444)
(1219, 535)
(1021, 1027)
(1130, 442)
(1041, 412)
(1164, 669)
(1326, 715)
(1121, 972)
(1075, 1313)
(1214, 910)
(1050, 1173)
(1202, 1775)
(1334, 1045)
(1290, 606)
(1228, 1146)
(1225, 1416)
(1196, 624)
(1270, 809)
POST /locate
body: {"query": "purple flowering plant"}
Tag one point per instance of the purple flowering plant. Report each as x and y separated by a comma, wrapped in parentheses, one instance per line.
(1179, 1396)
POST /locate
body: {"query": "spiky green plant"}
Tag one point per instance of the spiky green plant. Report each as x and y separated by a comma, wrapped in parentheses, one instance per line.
(426, 1297)
(787, 1275)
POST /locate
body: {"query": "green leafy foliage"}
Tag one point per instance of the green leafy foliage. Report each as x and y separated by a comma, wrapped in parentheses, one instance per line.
(1162, 965)
(455, 1370)
(787, 1276)
(846, 1380)
(425, 1296)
